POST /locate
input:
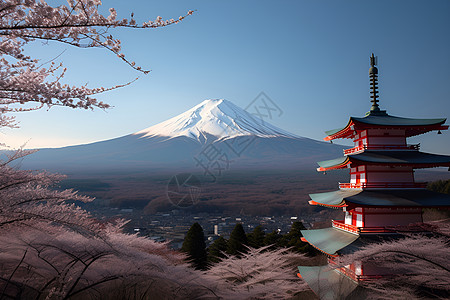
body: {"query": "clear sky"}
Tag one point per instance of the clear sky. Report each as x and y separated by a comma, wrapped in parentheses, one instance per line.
(310, 57)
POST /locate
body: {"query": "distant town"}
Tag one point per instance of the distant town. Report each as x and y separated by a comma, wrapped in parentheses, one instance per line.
(172, 226)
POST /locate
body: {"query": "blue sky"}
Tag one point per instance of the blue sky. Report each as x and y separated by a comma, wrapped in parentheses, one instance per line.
(310, 57)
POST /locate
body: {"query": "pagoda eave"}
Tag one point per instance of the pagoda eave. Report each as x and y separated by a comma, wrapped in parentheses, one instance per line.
(342, 133)
(382, 198)
(409, 130)
(329, 240)
(327, 282)
(317, 248)
(337, 163)
(311, 202)
(415, 159)
(419, 131)
(358, 124)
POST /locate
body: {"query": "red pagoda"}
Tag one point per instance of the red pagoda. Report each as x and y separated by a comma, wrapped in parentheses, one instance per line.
(381, 195)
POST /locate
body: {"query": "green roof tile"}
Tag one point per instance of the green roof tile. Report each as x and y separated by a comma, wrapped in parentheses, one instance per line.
(387, 120)
(333, 198)
(332, 162)
(327, 283)
(403, 197)
(333, 131)
(329, 240)
(390, 157)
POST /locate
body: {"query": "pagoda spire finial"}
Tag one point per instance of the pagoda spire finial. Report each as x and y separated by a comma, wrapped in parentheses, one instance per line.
(373, 75)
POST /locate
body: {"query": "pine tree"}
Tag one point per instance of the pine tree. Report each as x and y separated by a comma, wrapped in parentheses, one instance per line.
(195, 247)
(238, 240)
(440, 186)
(293, 240)
(216, 252)
(256, 238)
(273, 239)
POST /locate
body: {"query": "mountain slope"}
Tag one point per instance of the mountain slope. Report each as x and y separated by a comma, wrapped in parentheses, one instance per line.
(217, 118)
(178, 143)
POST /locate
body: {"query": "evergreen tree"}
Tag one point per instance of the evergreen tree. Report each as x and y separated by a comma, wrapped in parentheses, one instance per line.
(194, 246)
(238, 240)
(293, 240)
(440, 186)
(293, 235)
(256, 238)
(273, 239)
(217, 250)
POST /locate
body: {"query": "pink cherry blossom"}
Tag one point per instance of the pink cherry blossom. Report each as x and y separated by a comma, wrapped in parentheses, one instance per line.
(24, 84)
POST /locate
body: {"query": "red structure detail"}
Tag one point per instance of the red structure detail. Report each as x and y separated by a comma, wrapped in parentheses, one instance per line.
(384, 185)
(361, 148)
(343, 226)
(353, 128)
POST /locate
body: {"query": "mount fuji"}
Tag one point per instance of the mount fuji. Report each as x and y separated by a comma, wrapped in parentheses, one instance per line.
(247, 141)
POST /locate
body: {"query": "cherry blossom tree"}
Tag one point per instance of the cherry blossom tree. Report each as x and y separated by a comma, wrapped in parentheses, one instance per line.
(56, 250)
(26, 199)
(419, 266)
(25, 83)
(258, 274)
(54, 263)
(50, 248)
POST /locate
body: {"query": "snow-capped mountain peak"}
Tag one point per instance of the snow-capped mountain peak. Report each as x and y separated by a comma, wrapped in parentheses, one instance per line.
(216, 118)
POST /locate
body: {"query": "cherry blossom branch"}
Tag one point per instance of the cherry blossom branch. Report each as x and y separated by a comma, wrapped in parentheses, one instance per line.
(78, 24)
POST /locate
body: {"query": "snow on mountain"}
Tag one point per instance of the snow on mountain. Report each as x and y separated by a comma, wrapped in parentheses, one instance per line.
(176, 142)
(217, 118)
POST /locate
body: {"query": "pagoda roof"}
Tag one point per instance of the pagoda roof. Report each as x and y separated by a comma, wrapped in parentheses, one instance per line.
(331, 164)
(388, 197)
(416, 159)
(329, 240)
(326, 282)
(334, 131)
(365, 240)
(387, 120)
(376, 120)
(333, 241)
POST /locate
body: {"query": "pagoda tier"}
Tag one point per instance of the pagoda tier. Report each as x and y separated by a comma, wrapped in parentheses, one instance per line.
(379, 211)
(414, 159)
(406, 127)
(351, 198)
(384, 169)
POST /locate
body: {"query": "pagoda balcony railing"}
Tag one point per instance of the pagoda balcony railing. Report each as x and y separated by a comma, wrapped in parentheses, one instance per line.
(411, 228)
(343, 226)
(381, 147)
(358, 230)
(352, 274)
(383, 185)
